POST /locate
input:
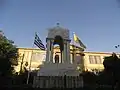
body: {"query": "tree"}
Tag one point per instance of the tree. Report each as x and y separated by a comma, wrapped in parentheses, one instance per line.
(89, 78)
(8, 55)
(112, 67)
(112, 63)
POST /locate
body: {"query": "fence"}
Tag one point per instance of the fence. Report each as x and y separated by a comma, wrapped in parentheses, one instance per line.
(58, 82)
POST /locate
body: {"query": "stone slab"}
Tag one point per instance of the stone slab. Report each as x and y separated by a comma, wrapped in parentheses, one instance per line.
(53, 69)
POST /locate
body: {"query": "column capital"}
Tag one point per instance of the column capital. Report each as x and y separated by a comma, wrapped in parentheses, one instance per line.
(67, 40)
(52, 40)
(49, 39)
(64, 41)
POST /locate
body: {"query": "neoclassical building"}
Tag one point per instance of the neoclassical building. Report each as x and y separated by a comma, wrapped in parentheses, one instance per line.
(65, 51)
(85, 60)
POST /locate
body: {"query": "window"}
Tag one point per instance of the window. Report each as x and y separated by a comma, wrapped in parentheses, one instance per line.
(95, 59)
(91, 59)
(98, 60)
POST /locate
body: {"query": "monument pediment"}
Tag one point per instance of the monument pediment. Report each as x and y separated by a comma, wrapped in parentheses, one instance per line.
(58, 31)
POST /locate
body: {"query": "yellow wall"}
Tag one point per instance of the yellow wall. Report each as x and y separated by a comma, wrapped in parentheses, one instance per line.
(27, 57)
(36, 62)
(90, 66)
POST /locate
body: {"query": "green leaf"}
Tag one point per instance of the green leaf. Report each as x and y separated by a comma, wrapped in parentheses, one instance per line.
(8, 55)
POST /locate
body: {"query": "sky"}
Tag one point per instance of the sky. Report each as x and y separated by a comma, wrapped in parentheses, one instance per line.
(96, 22)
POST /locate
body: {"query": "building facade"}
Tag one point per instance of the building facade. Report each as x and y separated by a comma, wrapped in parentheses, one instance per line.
(85, 60)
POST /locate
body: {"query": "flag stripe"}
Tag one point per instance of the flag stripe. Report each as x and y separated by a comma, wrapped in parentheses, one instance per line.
(37, 38)
(36, 44)
(39, 43)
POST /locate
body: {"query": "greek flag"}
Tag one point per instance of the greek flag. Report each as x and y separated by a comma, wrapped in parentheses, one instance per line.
(38, 42)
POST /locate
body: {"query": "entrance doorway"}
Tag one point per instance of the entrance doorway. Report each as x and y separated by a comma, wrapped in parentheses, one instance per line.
(58, 42)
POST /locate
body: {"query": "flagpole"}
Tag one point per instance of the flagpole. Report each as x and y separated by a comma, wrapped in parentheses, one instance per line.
(28, 76)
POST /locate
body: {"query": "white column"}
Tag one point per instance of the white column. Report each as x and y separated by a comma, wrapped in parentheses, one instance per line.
(61, 57)
(62, 53)
(48, 51)
(71, 58)
(68, 52)
(65, 52)
(52, 48)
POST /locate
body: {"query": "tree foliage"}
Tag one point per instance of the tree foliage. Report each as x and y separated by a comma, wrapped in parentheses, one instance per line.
(109, 76)
(89, 78)
(112, 63)
(111, 72)
(8, 55)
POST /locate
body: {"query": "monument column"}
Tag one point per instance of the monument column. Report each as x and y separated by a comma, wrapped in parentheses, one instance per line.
(51, 54)
(62, 56)
(68, 51)
(65, 52)
(48, 50)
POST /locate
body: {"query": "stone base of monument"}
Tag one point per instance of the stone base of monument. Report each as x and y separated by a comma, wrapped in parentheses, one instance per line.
(62, 75)
(61, 69)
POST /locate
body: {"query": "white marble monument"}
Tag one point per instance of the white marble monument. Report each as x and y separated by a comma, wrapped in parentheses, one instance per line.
(58, 35)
